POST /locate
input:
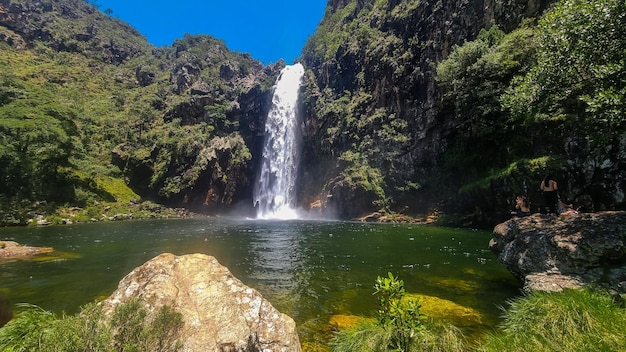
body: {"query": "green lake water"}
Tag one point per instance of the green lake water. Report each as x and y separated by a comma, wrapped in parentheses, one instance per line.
(310, 270)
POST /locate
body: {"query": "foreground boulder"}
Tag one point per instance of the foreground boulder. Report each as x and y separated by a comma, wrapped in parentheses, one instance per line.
(219, 312)
(550, 253)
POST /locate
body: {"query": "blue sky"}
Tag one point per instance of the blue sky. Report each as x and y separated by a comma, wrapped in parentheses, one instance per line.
(268, 30)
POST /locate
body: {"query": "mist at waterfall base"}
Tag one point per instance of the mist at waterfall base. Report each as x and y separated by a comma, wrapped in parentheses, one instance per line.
(274, 193)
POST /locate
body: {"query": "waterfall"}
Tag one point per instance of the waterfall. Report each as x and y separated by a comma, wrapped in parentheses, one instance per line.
(274, 193)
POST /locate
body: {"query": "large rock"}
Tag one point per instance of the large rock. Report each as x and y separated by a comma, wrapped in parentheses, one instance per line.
(550, 253)
(219, 312)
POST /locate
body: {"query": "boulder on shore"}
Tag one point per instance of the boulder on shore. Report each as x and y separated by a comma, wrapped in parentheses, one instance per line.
(550, 253)
(219, 312)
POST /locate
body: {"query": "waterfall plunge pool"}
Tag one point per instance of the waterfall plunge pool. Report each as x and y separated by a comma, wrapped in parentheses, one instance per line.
(310, 270)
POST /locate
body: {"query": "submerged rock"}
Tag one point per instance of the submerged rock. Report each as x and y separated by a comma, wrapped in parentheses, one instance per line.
(219, 312)
(439, 308)
(341, 321)
(14, 250)
(550, 253)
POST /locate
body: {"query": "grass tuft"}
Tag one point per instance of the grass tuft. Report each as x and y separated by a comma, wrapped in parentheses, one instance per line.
(572, 320)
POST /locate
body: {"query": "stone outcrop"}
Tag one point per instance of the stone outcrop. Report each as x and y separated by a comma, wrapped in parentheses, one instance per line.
(550, 253)
(13, 250)
(84, 29)
(219, 312)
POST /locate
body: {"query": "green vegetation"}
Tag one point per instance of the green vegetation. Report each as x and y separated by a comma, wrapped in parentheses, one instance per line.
(354, 125)
(127, 329)
(94, 106)
(556, 83)
(572, 320)
(580, 73)
(399, 327)
(401, 316)
(547, 89)
(472, 78)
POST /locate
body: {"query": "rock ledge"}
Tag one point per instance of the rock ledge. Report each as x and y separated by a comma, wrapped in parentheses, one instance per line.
(550, 253)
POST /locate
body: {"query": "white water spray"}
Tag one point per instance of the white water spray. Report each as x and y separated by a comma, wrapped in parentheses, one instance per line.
(274, 194)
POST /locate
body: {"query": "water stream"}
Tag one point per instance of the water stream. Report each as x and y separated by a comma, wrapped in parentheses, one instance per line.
(274, 191)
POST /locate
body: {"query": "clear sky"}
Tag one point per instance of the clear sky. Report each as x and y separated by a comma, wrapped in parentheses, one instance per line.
(267, 30)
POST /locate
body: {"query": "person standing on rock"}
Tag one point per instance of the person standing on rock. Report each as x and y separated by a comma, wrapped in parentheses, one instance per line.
(549, 189)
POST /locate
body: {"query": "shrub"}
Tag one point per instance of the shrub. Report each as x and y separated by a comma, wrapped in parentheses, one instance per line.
(128, 329)
(399, 327)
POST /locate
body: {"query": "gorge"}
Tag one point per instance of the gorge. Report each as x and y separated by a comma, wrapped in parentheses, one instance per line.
(391, 120)
(441, 108)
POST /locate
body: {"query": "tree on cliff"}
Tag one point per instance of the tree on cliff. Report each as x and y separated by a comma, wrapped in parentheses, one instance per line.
(580, 75)
(37, 141)
(550, 96)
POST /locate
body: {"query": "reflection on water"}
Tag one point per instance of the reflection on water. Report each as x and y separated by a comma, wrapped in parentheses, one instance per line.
(309, 270)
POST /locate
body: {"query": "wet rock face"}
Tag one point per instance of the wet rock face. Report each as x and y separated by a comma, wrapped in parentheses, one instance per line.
(550, 253)
(219, 312)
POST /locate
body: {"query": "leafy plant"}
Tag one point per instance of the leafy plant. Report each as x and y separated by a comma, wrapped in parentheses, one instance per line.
(401, 316)
(399, 326)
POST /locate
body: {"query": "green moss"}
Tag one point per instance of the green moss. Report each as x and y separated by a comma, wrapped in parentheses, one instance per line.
(515, 173)
(117, 188)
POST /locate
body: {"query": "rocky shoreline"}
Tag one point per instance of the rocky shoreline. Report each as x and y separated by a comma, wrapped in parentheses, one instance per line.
(552, 253)
(40, 214)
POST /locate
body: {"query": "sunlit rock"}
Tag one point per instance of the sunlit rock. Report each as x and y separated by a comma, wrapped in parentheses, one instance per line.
(13, 250)
(550, 253)
(219, 312)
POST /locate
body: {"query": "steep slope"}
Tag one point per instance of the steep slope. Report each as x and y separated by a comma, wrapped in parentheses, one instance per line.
(180, 124)
(384, 131)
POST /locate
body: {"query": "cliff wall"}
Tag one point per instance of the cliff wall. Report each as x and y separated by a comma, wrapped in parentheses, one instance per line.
(373, 115)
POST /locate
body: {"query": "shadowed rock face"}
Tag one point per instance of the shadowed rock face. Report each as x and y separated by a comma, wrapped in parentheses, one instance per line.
(5, 312)
(219, 312)
(550, 253)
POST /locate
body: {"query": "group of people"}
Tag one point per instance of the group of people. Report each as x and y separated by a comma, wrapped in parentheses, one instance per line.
(553, 203)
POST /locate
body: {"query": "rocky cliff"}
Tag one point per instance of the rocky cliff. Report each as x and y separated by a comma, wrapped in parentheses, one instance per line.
(551, 253)
(384, 127)
(380, 134)
(373, 62)
(182, 124)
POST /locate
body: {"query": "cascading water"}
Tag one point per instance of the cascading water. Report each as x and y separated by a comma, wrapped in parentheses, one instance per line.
(274, 191)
